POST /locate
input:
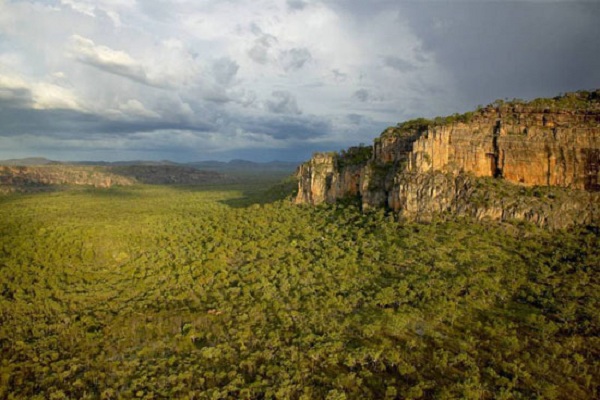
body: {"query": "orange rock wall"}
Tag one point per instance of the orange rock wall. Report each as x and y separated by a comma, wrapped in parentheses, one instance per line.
(524, 150)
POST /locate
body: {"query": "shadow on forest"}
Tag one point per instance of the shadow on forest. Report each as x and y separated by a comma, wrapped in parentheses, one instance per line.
(112, 192)
(115, 192)
(31, 191)
(268, 193)
(250, 189)
(238, 193)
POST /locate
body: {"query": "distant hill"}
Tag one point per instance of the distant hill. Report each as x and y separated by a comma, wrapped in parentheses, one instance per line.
(233, 165)
(123, 163)
(163, 174)
(28, 161)
(38, 173)
(34, 178)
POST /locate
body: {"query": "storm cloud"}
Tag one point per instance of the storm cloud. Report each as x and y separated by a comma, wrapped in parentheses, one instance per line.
(511, 49)
(269, 79)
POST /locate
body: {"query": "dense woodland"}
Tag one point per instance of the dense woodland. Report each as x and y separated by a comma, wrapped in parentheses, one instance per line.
(225, 292)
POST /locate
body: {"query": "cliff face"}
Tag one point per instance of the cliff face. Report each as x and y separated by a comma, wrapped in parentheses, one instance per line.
(425, 168)
(321, 180)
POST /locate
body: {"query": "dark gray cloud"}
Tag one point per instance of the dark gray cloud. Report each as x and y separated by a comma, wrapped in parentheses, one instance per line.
(296, 4)
(289, 127)
(361, 95)
(355, 119)
(364, 10)
(294, 59)
(339, 76)
(259, 52)
(63, 123)
(399, 64)
(159, 10)
(224, 70)
(283, 103)
(14, 98)
(511, 49)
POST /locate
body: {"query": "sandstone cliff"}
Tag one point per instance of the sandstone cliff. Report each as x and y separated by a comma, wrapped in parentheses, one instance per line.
(483, 164)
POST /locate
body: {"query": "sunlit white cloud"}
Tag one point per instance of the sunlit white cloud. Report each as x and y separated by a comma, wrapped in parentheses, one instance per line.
(17, 92)
(108, 60)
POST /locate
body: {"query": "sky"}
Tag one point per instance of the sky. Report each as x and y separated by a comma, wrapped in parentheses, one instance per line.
(267, 80)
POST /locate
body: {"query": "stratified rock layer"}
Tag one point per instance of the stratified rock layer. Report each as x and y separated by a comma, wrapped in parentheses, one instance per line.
(422, 169)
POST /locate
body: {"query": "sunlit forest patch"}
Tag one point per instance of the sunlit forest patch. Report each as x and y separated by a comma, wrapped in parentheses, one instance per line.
(225, 292)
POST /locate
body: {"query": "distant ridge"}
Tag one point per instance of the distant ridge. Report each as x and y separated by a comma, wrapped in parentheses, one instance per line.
(245, 165)
(38, 173)
(29, 161)
(35, 178)
(233, 165)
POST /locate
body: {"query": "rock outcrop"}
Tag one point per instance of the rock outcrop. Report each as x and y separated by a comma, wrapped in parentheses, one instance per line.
(483, 164)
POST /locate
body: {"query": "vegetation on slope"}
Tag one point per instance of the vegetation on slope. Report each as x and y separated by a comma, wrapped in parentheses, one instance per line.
(357, 155)
(580, 101)
(153, 292)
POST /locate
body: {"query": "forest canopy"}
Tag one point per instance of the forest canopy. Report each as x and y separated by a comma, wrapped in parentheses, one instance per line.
(221, 292)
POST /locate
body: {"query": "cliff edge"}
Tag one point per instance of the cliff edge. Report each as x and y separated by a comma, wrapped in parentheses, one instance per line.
(537, 161)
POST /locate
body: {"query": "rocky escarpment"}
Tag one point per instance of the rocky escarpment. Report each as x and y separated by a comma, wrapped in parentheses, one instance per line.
(536, 161)
(41, 177)
(31, 178)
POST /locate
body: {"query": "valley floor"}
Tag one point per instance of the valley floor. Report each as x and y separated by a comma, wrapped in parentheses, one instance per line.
(219, 292)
